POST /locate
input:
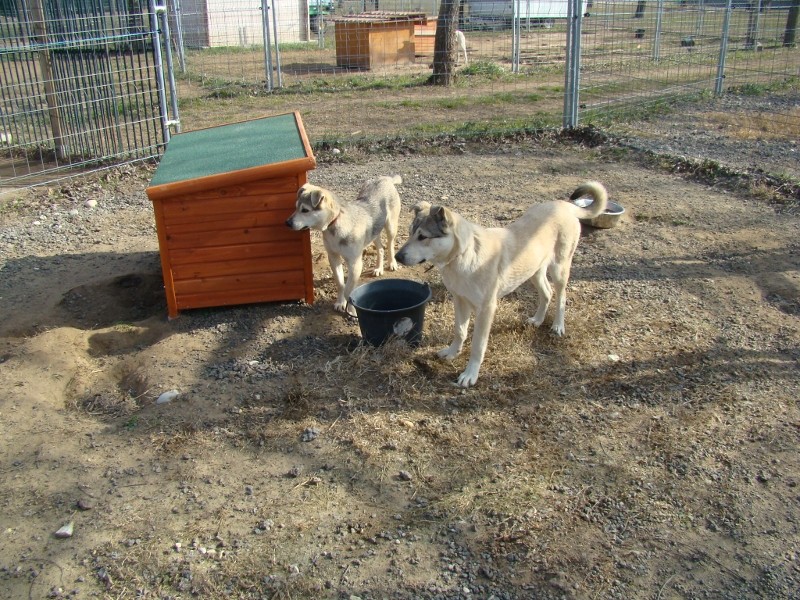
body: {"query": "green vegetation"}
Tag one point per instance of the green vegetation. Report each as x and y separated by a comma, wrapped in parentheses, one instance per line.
(484, 69)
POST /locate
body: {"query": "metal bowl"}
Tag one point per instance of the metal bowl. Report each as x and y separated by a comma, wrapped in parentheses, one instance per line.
(610, 218)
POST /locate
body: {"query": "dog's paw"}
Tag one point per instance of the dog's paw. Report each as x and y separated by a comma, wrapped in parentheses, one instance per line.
(558, 329)
(377, 272)
(393, 266)
(448, 353)
(536, 321)
(468, 377)
(341, 305)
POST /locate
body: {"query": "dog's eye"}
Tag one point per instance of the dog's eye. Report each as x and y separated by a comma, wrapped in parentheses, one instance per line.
(421, 237)
(304, 210)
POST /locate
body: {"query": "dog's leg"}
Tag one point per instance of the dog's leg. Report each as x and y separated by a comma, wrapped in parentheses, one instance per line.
(378, 270)
(544, 292)
(560, 276)
(463, 312)
(391, 236)
(338, 271)
(353, 275)
(480, 340)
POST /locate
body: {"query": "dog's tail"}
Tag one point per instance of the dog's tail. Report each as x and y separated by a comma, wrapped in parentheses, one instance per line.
(396, 179)
(599, 197)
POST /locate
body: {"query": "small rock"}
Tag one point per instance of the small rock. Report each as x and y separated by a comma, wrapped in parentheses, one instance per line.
(167, 397)
(309, 434)
(404, 476)
(90, 203)
(84, 505)
(66, 531)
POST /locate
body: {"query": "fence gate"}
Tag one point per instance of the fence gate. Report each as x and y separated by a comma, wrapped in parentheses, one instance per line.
(82, 87)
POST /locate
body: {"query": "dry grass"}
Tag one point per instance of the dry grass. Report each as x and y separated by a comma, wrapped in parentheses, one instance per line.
(753, 126)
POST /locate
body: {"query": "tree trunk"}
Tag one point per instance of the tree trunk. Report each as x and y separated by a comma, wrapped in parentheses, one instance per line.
(789, 35)
(443, 58)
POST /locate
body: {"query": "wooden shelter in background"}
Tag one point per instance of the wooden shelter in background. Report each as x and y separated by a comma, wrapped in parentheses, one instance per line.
(425, 37)
(377, 38)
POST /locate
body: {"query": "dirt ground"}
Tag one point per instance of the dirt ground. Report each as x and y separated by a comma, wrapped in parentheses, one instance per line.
(649, 453)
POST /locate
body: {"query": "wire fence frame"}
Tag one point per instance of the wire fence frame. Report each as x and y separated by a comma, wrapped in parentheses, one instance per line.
(79, 88)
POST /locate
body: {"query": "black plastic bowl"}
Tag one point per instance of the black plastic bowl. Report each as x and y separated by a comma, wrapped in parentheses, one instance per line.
(391, 308)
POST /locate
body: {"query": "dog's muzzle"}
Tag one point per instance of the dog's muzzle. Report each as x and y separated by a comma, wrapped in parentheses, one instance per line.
(290, 224)
(401, 258)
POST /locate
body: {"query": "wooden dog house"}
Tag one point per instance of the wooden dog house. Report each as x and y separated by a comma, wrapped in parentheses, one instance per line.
(221, 198)
(425, 37)
(377, 38)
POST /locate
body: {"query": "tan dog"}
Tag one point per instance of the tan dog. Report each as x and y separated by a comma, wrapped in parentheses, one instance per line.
(348, 228)
(481, 265)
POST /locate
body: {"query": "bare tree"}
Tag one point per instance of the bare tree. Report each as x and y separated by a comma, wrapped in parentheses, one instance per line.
(443, 56)
(789, 35)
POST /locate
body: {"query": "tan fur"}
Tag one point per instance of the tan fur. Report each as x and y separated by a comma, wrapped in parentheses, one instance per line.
(348, 228)
(480, 265)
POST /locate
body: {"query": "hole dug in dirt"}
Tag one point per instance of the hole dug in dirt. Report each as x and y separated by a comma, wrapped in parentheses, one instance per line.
(122, 392)
(123, 299)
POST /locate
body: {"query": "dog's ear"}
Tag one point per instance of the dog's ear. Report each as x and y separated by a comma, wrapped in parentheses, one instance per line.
(443, 217)
(317, 196)
(314, 194)
(419, 207)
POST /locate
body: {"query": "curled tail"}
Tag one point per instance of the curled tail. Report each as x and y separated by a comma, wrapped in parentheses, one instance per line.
(599, 197)
(396, 179)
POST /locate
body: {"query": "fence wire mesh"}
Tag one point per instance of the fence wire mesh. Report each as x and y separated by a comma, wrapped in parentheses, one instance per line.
(634, 52)
(361, 69)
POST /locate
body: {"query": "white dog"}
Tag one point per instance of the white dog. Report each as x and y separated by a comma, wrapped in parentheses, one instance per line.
(481, 265)
(462, 45)
(347, 229)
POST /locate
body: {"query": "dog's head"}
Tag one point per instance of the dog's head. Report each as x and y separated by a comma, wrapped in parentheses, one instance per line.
(315, 208)
(431, 236)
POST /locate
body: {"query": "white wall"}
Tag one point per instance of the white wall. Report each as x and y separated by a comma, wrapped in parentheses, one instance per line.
(214, 23)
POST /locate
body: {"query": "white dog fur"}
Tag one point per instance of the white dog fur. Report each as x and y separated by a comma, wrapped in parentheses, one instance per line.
(348, 228)
(480, 265)
(462, 45)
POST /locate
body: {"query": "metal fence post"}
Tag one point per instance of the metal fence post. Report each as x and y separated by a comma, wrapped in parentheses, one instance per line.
(657, 41)
(573, 63)
(515, 38)
(179, 43)
(158, 60)
(267, 44)
(701, 13)
(173, 91)
(723, 48)
(277, 45)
